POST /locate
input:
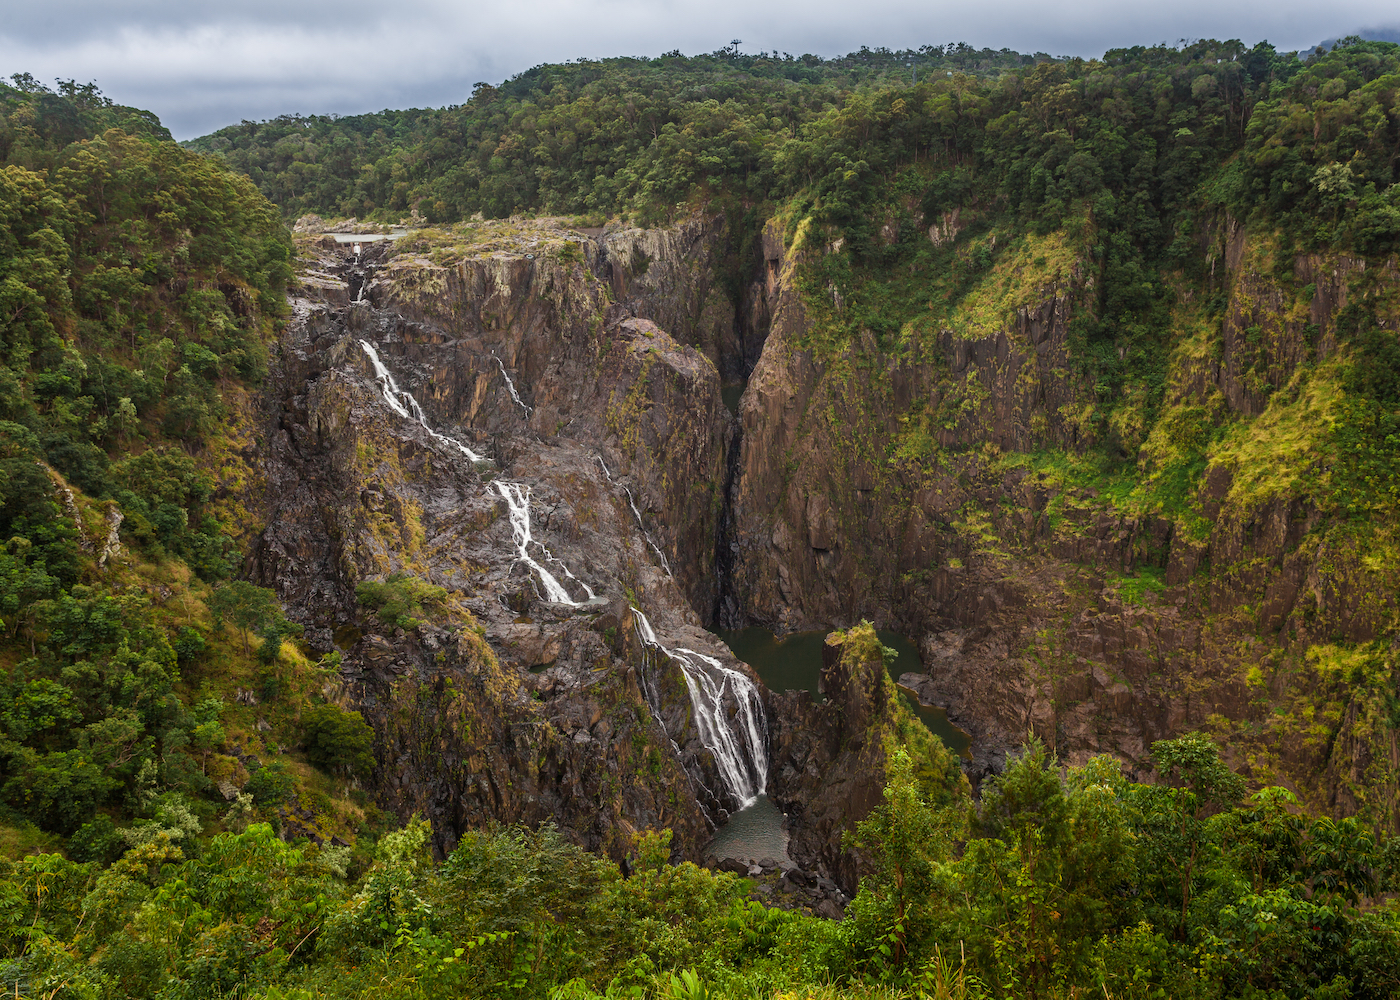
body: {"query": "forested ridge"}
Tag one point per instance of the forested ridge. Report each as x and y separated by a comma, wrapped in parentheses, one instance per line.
(160, 726)
(583, 137)
(1128, 157)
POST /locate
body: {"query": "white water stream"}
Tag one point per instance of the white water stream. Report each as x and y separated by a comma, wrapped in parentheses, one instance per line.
(741, 752)
(516, 496)
(638, 515)
(402, 402)
(511, 385)
(739, 745)
(517, 500)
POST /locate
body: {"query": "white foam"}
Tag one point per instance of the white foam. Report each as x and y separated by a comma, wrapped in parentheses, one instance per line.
(741, 756)
(403, 403)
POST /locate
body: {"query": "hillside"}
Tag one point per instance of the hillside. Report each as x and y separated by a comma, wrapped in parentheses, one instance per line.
(578, 138)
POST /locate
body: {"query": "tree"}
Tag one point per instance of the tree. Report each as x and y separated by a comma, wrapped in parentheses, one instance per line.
(250, 608)
(338, 740)
(1018, 870)
(904, 838)
(1174, 816)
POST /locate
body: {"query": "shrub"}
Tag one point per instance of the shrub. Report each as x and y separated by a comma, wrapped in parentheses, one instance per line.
(400, 601)
(97, 840)
(189, 644)
(247, 606)
(270, 786)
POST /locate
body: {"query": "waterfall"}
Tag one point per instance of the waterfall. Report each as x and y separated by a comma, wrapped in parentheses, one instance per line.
(511, 385)
(516, 496)
(405, 405)
(517, 500)
(742, 756)
(638, 515)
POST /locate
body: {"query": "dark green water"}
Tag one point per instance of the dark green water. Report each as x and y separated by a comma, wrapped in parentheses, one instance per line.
(730, 393)
(752, 834)
(794, 663)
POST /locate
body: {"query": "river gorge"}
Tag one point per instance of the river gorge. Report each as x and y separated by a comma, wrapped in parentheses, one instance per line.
(654, 499)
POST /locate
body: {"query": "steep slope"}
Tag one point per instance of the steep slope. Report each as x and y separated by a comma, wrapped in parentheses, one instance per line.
(936, 488)
(599, 430)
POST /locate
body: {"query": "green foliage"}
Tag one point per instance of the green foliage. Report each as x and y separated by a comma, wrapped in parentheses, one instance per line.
(270, 785)
(249, 608)
(653, 850)
(1078, 881)
(97, 841)
(338, 740)
(401, 601)
(1051, 895)
(134, 277)
(587, 137)
(138, 285)
(1316, 155)
(686, 986)
(36, 122)
(906, 839)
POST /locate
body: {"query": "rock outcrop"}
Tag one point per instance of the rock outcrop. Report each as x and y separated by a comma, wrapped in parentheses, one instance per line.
(519, 708)
(893, 483)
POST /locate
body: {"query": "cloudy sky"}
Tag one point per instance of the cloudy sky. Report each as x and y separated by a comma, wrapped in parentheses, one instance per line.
(201, 65)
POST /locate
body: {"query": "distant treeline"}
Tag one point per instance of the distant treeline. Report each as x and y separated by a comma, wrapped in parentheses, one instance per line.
(579, 137)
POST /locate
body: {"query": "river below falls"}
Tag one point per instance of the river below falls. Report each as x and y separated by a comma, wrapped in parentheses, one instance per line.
(752, 834)
(794, 662)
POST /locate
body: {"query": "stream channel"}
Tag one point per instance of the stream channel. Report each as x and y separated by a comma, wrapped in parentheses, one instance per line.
(794, 662)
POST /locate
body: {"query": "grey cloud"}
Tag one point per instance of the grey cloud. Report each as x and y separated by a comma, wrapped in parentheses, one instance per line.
(200, 66)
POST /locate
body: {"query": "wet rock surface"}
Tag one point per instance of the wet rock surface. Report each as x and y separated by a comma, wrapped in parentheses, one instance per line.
(1011, 582)
(526, 710)
(787, 886)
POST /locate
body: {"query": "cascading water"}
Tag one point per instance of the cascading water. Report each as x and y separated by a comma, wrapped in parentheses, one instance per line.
(742, 755)
(511, 385)
(403, 403)
(517, 497)
(638, 515)
(517, 500)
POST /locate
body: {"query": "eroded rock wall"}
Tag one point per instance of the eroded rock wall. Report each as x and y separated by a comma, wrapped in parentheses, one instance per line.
(513, 708)
(1018, 586)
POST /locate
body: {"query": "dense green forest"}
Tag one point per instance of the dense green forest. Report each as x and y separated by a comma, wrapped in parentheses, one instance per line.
(140, 286)
(1126, 158)
(585, 137)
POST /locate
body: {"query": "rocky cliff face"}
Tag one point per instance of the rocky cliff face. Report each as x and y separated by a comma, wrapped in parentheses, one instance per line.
(521, 708)
(895, 486)
(827, 519)
(829, 759)
(909, 487)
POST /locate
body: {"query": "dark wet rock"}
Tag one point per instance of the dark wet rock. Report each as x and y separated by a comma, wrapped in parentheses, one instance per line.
(467, 735)
(1029, 633)
(828, 761)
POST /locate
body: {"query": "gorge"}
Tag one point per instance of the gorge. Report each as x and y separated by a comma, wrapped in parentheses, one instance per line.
(614, 455)
(710, 526)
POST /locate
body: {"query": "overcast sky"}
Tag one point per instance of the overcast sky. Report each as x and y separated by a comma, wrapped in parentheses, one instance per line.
(202, 65)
